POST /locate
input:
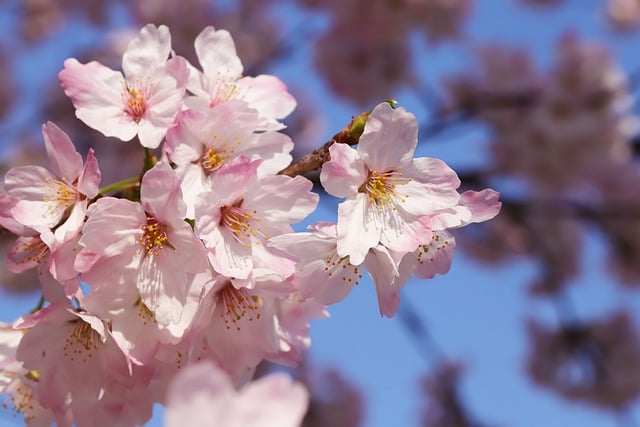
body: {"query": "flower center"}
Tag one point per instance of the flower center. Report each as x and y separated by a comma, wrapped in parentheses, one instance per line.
(223, 91)
(135, 98)
(31, 249)
(218, 152)
(61, 195)
(22, 398)
(154, 237)
(340, 267)
(236, 305)
(241, 223)
(82, 342)
(429, 251)
(144, 313)
(382, 188)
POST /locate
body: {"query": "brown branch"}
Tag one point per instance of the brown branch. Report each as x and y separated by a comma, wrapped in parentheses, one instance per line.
(349, 135)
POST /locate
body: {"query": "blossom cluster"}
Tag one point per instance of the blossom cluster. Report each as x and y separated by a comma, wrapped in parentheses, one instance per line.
(566, 133)
(559, 128)
(194, 265)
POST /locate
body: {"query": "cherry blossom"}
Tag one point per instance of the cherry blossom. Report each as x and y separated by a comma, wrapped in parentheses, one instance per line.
(389, 195)
(173, 285)
(602, 355)
(146, 244)
(62, 342)
(144, 102)
(202, 395)
(203, 141)
(58, 199)
(242, 210)
(237, 327)
(221, 80)
(19, 385)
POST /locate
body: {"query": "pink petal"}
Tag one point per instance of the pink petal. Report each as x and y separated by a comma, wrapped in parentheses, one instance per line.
(89, 180)
(435, 257)
(343, 175)
(113, 227)
(72, 225)
(358, 228)
(281, 199)
(229, 257)
(406, 232)
(272, 401)
(161, 195)
(484, 205)
(26, 252)
(268, 95)
(384, 272)
(216, 52)
(7, 203)
(147, 51)
(389, 139)
(95, 92)
(65, 160)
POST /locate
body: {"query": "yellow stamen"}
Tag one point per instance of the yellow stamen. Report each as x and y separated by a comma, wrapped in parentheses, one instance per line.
(241, 223)
(382, 188)
(135, 99)
(236, 305)
(82, 342)
(154, 237)
(61, 195)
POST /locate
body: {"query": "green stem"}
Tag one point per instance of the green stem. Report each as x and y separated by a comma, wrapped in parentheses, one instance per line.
(39, 306)
(120, 185)
(149, 160)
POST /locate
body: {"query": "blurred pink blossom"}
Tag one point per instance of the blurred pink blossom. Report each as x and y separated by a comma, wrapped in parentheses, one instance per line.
(596, 362)
(202, 396)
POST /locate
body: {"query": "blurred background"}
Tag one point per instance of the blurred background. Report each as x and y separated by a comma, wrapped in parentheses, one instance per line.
(537, 322)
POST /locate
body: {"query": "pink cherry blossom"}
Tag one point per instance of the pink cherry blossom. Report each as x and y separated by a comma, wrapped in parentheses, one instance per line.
(147, 244)
(54, 199)
(237, 327)
(202, 396)
(19, 385)
(389, 194)
(221, 80)
(74, 354)
(242, 210)
(143, 102)
(52, 259)
(136, 328)
(324, 275)
(203, 141)
(624, 14)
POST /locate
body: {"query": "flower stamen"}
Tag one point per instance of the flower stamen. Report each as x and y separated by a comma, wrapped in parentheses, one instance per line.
(218, 152)
(81, 342)
(236, 305)
(154, 237)
(335, 265)
(382, 188)
(135, 99)
(241, 223)
(61, 195)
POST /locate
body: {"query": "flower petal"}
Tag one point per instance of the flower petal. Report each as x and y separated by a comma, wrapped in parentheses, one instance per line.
(147, 51)
(358, 228)
(65, 160)
(389, 139)
(216, 52)
(95, 92)
(344, 173)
